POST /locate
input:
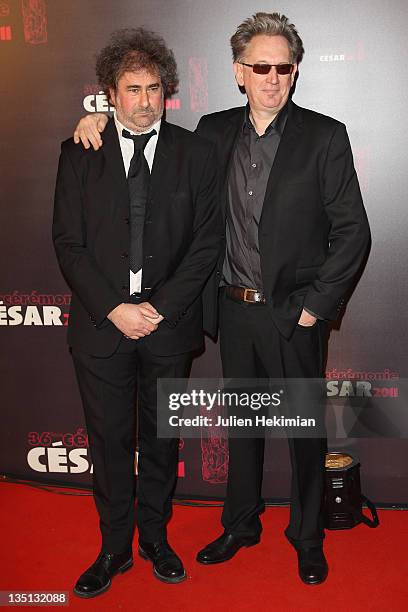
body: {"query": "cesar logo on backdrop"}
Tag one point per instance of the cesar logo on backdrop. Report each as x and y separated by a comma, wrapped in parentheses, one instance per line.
(357, 54)
(67, 453)
(21, 308)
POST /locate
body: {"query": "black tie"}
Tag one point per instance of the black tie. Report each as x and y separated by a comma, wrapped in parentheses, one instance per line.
(138, 183)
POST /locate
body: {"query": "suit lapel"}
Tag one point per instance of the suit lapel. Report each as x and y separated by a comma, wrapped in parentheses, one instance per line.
(114, 161)
(229, 138)
(162, 156)
(287, 145)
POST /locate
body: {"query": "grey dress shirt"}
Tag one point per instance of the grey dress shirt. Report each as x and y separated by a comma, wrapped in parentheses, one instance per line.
(251, 165)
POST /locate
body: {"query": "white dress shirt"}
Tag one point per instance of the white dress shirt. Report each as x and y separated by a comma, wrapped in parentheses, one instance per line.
(127, 148)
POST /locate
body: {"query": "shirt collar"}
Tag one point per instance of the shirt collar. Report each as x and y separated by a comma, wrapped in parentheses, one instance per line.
(120, 127)
(277, 124)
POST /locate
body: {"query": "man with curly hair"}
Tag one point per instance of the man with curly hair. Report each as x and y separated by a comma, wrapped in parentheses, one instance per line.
(296, 237)
(137, 233)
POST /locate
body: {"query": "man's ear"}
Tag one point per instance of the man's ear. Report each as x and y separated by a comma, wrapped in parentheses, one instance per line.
(293, 75)
(112, 96)
(239, 73)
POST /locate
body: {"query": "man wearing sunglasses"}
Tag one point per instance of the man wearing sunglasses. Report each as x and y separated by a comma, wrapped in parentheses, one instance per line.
(296, 238)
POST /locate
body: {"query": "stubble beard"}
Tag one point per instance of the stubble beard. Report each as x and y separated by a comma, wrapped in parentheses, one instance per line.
(138, 123)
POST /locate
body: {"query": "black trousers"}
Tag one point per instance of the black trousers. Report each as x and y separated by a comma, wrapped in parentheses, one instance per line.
(251, 347)
(109, 387)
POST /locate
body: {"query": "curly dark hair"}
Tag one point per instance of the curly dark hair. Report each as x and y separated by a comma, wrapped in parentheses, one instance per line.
(134, 49)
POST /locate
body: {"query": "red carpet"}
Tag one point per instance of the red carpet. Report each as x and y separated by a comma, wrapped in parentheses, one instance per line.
(48, 539)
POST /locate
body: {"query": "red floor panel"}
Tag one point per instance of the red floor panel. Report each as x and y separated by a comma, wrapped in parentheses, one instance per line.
(48, 539)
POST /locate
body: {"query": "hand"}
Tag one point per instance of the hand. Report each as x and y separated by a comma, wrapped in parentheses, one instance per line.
(150, 313)
(88, 130)
(135, 320)
(306, 319)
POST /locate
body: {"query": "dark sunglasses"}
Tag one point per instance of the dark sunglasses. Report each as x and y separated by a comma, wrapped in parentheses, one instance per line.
(265, 68)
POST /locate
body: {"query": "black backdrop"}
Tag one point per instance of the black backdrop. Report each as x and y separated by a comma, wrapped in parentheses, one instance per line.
(353, 70)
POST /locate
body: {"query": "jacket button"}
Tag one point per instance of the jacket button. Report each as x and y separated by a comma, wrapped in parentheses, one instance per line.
(125, 288)
(124, 255)
(127, 221)
(149, 256)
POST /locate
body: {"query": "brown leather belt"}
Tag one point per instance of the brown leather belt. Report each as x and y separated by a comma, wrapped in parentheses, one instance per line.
(250, 296)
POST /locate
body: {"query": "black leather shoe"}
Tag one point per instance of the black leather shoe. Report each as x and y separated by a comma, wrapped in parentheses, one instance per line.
(224, 548)
(98, 578)
(167, 566)
(313, 568)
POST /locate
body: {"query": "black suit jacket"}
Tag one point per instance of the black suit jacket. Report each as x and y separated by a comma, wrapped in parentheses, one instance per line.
(181, 238)
(313, 231)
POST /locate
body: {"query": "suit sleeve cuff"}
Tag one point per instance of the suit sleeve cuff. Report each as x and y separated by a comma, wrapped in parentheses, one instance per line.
(314, 314)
